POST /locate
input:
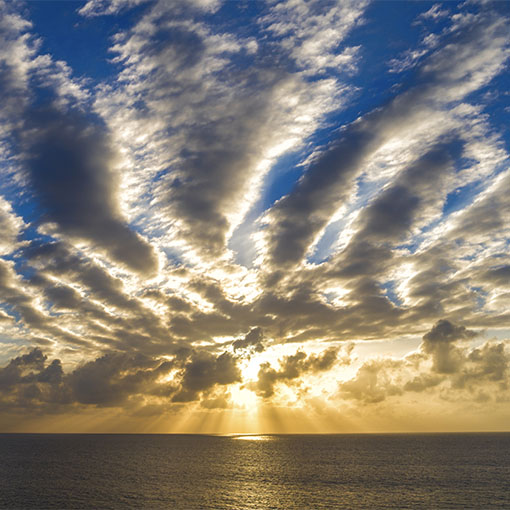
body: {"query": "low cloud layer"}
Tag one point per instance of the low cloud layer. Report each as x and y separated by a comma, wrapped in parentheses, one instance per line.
(32, 382)
(445, 364)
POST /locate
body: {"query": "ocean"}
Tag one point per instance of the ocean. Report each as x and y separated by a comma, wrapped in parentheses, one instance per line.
(96, 471)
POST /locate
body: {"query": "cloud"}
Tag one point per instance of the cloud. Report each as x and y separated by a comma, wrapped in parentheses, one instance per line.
(22, 302)
(86, 297)
(314, 30)
(435, 12)
(490, 362)
(410, 202)
(299, 217)
(374, 382)
(497, 275)
(11, 226)
(439, 343)
(104, 7)
(59, 260)
(203, 371)
(16, 53)
(215, 128)
(27, 381)
(291, 368)
(486, 217)
(443, 365)
(63, 297)
(253, 339)
(70, 165)
(394, 215)
(445, 332)
(114, 377)
(232, 189)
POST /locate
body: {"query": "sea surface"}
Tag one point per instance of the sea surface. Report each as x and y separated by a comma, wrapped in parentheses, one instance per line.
(96, 471)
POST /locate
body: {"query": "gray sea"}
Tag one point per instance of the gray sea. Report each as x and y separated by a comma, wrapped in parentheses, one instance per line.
(265, 472)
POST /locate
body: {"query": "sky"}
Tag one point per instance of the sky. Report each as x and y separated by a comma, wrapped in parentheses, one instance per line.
(254, 216)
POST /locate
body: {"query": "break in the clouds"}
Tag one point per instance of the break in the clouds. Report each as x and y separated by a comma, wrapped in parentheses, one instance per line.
(254, 215)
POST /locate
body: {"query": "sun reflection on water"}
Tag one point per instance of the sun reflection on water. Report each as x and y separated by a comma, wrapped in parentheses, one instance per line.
(252, 437)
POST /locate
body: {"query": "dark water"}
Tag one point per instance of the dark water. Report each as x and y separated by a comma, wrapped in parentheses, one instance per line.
(285, 472)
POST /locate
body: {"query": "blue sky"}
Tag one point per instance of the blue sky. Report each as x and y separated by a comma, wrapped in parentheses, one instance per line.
(212, 205)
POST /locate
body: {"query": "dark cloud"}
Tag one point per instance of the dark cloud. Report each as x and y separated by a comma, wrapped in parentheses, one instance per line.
(391, 215)
(212, 290)
(111, 379)
(59, 259)
(175, 49)
(254, 339)
(499, 276)
(136, 327)
(203, 371)
(13, 373)
(63, 296)
(292, 368)
(298, 217)
(70, 163)
(299, 312)
(175, 303)
(23, 303)
(440, 341)
(487, 218)
(139, 327)
(219, 120)
(206, 185)
(444, 332)
(28, 381)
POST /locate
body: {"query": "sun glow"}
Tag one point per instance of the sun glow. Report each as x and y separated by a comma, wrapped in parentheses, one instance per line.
(251, 368)
(243, 398)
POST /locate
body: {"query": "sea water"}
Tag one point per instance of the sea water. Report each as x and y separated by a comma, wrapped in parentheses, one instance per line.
(255, 472)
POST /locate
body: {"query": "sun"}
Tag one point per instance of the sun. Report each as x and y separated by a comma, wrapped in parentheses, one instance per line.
(243, 398)
(250, 368)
